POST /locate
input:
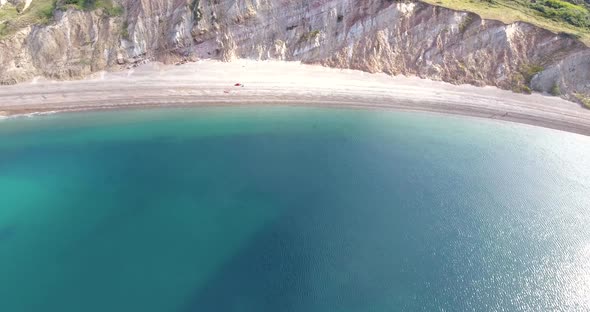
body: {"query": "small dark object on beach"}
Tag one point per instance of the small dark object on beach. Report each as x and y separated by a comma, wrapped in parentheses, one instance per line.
(237, 84)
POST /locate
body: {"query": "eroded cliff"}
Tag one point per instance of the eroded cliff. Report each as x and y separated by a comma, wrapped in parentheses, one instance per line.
(410, 38)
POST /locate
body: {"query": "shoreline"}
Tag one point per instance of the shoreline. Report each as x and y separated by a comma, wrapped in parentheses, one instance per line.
(211, 83)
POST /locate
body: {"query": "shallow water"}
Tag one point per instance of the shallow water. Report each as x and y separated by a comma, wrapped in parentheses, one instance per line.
(291, 209)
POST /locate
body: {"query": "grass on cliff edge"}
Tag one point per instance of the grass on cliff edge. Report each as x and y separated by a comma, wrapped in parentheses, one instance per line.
(41, 12)
(555, 15)
(11, 20)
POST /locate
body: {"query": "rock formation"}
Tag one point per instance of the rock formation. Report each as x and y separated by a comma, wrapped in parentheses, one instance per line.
(409, 38)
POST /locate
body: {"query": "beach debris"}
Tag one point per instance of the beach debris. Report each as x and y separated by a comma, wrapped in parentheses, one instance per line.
(238, 85)
(182, 62)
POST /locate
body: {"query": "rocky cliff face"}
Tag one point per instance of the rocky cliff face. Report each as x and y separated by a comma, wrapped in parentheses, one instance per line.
(410, 38)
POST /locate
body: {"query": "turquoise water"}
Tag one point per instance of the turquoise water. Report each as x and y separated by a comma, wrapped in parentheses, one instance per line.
(291, 209)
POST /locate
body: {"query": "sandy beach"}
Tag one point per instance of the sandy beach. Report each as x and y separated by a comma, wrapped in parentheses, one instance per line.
(283, 83)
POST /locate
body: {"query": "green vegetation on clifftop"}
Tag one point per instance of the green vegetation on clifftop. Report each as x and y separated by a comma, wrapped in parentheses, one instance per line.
(555, 15)
(41, 12)
(13, 18)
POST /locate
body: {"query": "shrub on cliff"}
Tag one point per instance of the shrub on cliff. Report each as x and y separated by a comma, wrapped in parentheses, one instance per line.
(576, 15)
(555, 90)
(583, 99)
(107, 6)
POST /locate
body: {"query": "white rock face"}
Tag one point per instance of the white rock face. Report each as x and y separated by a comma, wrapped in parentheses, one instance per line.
(371, 35)
(570, 73)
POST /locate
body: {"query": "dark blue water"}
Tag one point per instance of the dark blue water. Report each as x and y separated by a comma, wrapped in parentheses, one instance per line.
(291, 209)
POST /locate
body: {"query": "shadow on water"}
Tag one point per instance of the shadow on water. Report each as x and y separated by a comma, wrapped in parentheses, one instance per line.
(200, 210)
(333, 251)
(7, 233)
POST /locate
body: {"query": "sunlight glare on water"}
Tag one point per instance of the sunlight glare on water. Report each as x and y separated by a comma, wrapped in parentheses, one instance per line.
(291, 209)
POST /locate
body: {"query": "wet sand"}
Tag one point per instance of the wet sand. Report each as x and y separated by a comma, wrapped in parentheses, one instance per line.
(208, 83)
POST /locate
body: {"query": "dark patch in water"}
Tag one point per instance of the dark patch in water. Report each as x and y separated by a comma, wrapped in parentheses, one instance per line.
(6, 233)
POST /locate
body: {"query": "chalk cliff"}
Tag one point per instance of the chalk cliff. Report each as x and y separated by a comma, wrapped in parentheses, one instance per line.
(410, 38)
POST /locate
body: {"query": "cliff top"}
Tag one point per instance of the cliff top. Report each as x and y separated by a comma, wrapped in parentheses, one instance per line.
(16, 14)
(570, 17)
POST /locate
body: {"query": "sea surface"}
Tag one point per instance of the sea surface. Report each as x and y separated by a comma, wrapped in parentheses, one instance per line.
(285, 209)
